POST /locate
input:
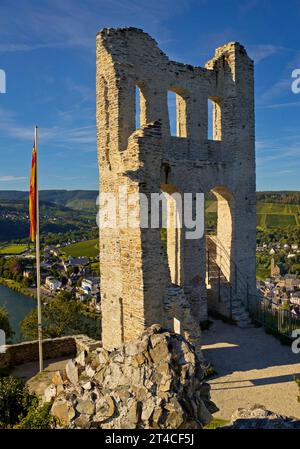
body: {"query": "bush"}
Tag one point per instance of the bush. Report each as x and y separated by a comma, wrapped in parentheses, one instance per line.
(5, 324)
(298, 383)
(38, 417)
(19, 409)
(15, 401)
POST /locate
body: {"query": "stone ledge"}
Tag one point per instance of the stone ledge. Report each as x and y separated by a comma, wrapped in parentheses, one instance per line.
(28, 351)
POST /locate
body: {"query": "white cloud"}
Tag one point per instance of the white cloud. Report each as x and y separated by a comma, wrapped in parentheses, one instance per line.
(83, 137)
(289, 104)
(262, 51)
(70, 23)
(277, 89)
(9, 178)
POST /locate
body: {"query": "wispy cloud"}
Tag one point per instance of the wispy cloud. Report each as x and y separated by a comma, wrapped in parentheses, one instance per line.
(19, 47)
(277, 89)
(83, 137)
(9, 178)
(289, 104)
(262, 51)
(288, 152)
(70, 23)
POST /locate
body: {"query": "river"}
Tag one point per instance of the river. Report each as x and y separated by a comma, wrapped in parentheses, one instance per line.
(18, 306)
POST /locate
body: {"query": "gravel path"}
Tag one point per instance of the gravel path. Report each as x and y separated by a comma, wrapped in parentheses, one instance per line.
(252, 368)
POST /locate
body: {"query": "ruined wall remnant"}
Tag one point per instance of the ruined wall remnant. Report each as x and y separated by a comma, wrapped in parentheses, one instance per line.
(137, 273)
(154, 382)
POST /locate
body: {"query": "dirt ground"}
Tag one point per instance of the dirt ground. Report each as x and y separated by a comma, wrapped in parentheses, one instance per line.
(252, 368)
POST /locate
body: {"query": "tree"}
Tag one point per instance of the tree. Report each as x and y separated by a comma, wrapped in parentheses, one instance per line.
(5, 324)
(62, 316)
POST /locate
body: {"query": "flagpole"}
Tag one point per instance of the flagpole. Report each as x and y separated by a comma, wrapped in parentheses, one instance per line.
(38, 259)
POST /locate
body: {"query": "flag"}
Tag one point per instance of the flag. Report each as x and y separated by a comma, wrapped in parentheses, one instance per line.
(33, 195)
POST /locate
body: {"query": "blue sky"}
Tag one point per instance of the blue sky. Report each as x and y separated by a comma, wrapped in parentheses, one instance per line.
(47, 49)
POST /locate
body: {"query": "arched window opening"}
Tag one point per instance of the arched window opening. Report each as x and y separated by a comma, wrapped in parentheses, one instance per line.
(177, 113)
(219, 227)
(137, 107)
(140, 106)
(214, 131)
(172, 234)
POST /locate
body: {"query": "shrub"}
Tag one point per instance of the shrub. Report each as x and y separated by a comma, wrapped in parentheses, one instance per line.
(5, 324)
(38, 417)
(15, 401)
(19, 409)
(298, 383)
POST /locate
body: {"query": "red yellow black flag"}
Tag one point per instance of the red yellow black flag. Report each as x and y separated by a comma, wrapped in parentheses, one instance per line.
(33, 195)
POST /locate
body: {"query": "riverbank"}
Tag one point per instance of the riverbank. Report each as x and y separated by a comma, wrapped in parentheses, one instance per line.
(31, 293)
(18, 306)
(17, 287)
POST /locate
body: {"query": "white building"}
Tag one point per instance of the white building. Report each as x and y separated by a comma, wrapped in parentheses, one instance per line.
(90, 286)
(52, 283)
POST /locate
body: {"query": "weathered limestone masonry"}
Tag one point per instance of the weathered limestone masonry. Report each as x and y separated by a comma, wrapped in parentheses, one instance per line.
(139, 279)
(155, 382)
(28, 351)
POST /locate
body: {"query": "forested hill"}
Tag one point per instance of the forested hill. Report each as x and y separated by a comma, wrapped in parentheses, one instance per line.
(81, 198)
(74, 211)
(74, 199)
(282, 197)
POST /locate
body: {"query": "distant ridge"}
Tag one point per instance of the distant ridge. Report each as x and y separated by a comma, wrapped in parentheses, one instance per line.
(87, 198)
(68, 198)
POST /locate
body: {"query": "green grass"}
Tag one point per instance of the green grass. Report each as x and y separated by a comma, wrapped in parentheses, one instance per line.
(275, 221)
(261, 220)
(262, 273)
(95, 267)
(81, 204)
(272, 215)
(269, 215)
(215, 423)
(13, 249)
(88, 248)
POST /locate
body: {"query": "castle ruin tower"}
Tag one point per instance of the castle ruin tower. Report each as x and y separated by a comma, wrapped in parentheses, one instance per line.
(141, 281)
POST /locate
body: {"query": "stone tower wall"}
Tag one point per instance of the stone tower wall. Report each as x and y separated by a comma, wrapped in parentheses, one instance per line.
(136, 269)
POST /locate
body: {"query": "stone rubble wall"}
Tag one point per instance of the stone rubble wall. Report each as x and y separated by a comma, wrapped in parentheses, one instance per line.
(177, 306)
(53, 348)
(155, 382)
(258, 417)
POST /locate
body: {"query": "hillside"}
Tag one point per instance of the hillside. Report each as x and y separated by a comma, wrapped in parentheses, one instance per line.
(272, 215)
(283, 197)
(64, 211)
(74, 199)
(54, 218)
(277, 214)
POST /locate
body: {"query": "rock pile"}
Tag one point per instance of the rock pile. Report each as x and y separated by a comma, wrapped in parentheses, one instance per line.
(155, 382)
(258, 417)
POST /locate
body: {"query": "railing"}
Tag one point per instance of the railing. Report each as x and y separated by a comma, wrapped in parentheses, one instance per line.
(261, 309)
(236, 284)
(273, 317)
